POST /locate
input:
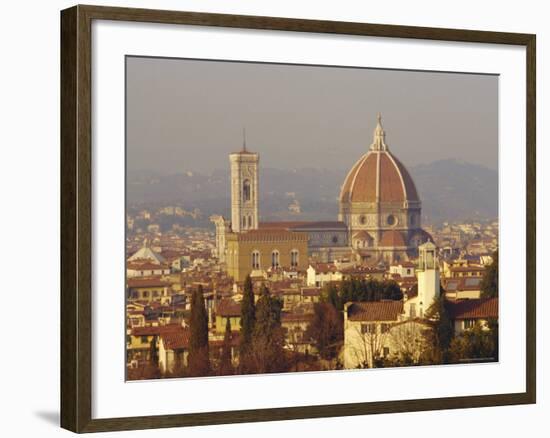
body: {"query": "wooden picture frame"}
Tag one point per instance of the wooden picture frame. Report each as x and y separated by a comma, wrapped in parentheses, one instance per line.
(76, 217)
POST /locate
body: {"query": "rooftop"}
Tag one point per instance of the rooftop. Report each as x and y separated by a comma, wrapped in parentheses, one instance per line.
(481, 308)
(375, 310)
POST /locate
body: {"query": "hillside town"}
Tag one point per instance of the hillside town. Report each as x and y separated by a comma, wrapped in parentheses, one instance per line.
(374, 288)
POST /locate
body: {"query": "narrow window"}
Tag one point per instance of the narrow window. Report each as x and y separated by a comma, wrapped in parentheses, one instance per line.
(275, 259)
(256, 260)
(294, 258)
(368, 328)
(246, 190)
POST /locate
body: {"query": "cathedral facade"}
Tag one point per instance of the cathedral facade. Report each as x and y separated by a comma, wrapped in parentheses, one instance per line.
(379, 219)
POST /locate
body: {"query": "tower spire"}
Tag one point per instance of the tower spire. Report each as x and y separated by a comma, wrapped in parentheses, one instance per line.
(379, 137)
(244, 140)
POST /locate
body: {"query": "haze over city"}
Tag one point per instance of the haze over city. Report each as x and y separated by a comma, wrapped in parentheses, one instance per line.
(188, 115)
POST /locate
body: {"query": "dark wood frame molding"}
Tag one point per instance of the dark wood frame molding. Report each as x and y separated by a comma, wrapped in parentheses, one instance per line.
(76, 239)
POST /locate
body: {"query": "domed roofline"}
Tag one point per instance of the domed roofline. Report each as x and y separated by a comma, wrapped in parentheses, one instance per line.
(378, 176)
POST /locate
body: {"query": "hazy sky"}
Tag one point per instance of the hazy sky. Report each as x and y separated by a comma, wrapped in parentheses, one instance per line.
(189, 115)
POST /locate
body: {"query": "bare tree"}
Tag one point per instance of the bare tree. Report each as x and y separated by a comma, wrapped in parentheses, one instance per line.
(408, 342)
(367, 344)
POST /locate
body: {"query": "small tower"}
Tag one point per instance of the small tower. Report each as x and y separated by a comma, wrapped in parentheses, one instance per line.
(222, 229)
(428, 276)
(379, 136)
(244, 189)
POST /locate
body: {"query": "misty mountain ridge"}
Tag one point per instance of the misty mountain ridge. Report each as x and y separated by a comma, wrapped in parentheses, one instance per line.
(450, 190)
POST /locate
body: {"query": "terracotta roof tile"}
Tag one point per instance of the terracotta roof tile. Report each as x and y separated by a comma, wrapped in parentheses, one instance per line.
(481, 308)
(395, 182)
(311, 292)
(145, 265)
(363, 184)
(412, 194)
(154, 330)
(296, 317)
(176, 339)
(147, 282)
(375, 311)
(391, 187)
(324, 268)
(228, 307)
(392, 238)
(274, 235)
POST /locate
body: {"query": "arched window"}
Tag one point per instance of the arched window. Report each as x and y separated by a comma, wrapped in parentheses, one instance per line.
(249, 221)
(255, 259)
(244, 221)
(246, 190)
(275, 259)
(294, 258)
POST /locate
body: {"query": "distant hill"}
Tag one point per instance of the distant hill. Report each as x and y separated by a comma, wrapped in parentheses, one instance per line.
(455, 190)
(449, 189)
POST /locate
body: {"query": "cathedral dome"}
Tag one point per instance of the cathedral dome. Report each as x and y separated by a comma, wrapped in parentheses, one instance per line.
(378, 176)
(391, 238)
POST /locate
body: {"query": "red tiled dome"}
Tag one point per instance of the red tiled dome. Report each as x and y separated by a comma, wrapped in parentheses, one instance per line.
(396, 185)
(392, 238)
(378, 170)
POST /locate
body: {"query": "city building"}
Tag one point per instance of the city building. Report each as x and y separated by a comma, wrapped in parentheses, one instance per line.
(466, 314)
(378, 330)
(380, 205)
(379, 218)
(429, 283)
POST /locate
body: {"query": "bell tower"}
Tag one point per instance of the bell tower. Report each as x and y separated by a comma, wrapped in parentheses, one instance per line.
(244, 189)
(428, 276)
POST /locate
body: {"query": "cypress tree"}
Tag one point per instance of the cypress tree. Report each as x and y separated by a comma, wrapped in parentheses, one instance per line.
(226, 367)
(199, 362)
(153, 351)
(333, 298)
(268, 336)
(248, 318)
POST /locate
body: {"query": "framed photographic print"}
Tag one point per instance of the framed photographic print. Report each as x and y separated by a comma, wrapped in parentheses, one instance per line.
(271, 218)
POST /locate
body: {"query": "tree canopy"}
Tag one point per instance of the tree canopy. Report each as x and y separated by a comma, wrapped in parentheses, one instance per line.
(477, 343)
(489, 284)
(326, 330)
(357, 289)
(438, 339)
